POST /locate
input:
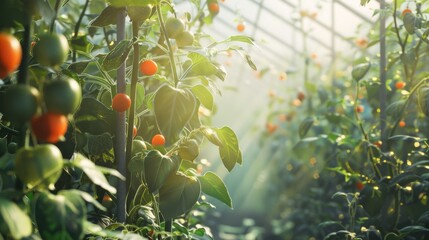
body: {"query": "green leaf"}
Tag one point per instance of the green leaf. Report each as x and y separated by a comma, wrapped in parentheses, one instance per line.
(392, 236)
(117, 56)
(95, 229)
(201, 66)
(359, 71)
(229, 150)
(88, 198)
(79, 67)
(423, 100)
(394, 109)
(95, 118)
(305, 126)
(173, 109)
(240, 38)
(157, 168)
(412, 229)
(248, 60)
(204, 95)
(81, 43)
(98, 144)
(364, 2)
(178, 195)
(107, 16)
(14, 222)
(95, 173)
(213, 185)
(60, 216)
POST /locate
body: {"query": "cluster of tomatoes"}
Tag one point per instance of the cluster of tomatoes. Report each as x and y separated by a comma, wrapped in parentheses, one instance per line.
(47, 106)
(176, 30)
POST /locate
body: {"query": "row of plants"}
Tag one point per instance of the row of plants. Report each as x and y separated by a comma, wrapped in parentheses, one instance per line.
(360, 141)
(101, 127)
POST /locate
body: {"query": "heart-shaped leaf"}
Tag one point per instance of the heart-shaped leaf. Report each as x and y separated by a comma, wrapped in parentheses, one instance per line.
(173, 109)
(178, 195)
(60, 216)
(213, 185)
(107, 16)
(157, 168)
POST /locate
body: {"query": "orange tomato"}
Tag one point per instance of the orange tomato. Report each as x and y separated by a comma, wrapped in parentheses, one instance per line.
(241, 27)
(148, 67)
(10, 54)
(158, 140)
(400, 85)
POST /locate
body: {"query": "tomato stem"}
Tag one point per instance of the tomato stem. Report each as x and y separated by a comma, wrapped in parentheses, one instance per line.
(78, 23)
(170, 49)
(134, 79)
(57, 7)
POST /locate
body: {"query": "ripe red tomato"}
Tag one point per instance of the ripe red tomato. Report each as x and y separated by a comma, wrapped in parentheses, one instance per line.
(158, 140)
(360, 109)
(360, 186)
(121, 102)
(10, 54)
(49, 127)
(399, 85)
(148, 67)
(402, 123)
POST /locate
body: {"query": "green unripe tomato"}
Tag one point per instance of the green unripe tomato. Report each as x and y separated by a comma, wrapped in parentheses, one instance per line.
(139, 13)
(174, 27)
(189, 150)
(184, 39)
(51, 50)
(39, 166)
(19, 103)
(12, 147)
(138, 147)
(62, 95)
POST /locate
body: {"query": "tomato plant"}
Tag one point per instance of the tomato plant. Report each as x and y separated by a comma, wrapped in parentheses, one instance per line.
(91, 99)
(10, 54)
